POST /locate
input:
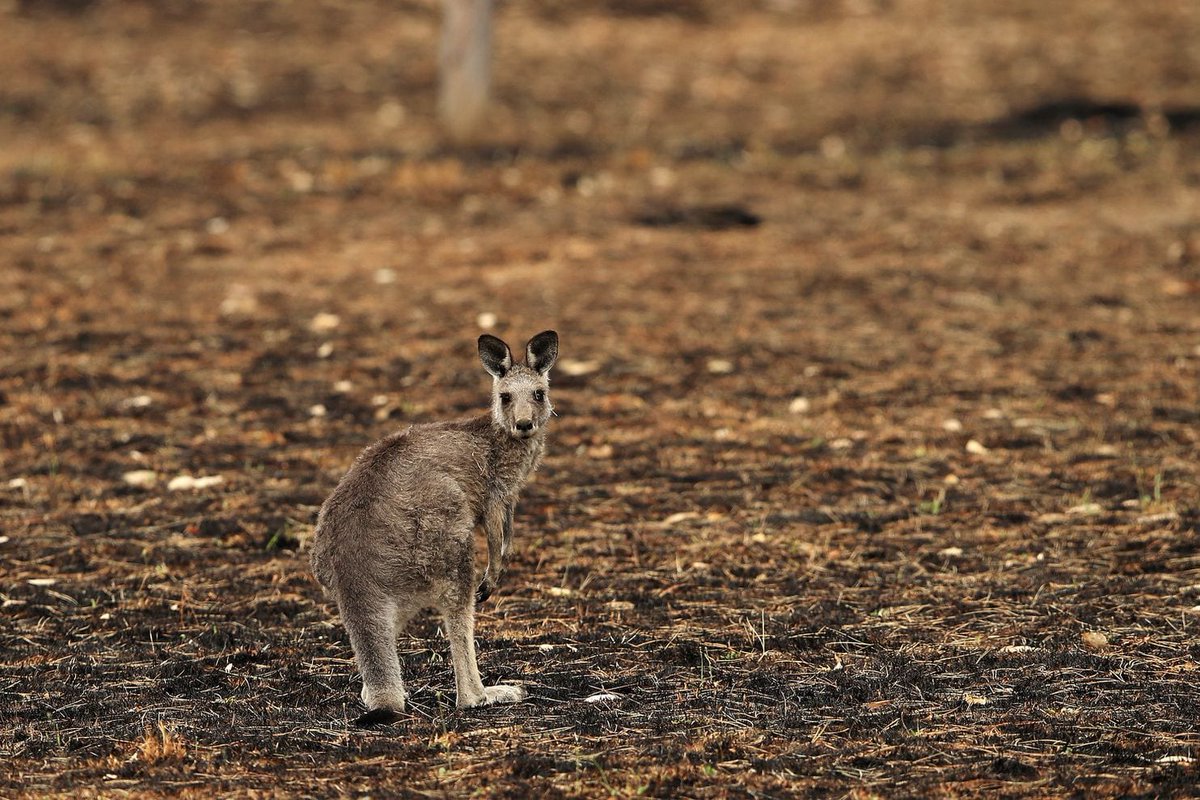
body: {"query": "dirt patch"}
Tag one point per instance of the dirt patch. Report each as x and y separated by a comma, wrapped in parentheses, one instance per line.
(876, 466)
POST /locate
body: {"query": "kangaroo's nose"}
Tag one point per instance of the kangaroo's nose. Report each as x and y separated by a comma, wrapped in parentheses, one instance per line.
(524, 424)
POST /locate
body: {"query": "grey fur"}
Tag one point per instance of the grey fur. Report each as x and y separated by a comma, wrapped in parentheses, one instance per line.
(397, 534)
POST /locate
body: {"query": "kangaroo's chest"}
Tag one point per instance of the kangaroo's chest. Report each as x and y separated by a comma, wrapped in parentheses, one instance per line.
(514, 466)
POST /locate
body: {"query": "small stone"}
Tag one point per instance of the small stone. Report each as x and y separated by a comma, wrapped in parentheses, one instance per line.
(140, 477)
(950, 552)
(601, 697)
(600, 452)
(343, 387)
(841, 444)
(487, 320)
(325, 350)
(559, 591)
(18, 483)
(951, 480)
(952, 425)
(976, 448)
(720, 366)
(240, 301)
(385, 276)
(1094, 640)
(993, 413)
(799, 405)
(139, 401)
(317, 410)
(185, 482)
(324, 322)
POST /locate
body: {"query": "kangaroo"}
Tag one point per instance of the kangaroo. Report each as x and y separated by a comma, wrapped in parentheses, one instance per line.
(397, 534)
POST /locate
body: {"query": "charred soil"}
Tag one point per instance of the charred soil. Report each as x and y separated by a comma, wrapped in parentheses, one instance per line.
(876, 468)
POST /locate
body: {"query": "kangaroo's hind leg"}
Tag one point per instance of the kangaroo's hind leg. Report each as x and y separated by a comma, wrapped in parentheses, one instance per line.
(372, 620)
(458, 610)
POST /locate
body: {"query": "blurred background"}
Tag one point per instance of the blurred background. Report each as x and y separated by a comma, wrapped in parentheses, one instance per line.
(880, 359)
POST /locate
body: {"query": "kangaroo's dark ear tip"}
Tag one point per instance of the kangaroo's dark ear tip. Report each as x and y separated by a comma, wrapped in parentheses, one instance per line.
(377, 716)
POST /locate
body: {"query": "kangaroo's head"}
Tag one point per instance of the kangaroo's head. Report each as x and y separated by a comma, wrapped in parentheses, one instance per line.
(520, 392)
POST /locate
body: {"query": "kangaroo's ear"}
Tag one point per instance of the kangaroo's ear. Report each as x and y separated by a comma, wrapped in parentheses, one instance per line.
(542, 352)
(495, 355)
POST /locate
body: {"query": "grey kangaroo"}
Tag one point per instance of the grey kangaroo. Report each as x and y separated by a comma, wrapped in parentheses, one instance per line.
(397, 534)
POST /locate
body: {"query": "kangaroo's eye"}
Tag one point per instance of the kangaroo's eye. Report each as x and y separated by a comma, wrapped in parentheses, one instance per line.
(539, 396)
(505, 398)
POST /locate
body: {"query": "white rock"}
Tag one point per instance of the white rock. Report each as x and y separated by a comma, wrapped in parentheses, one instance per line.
(184, 482)
(18, 483)
(324, 322)
(342, 387)
(799, 405)
(487, 320)
(325, 350)
(140, 401)
(976, 448)
(720, 366)
(140, 477)
(601, 697)
(317, 410)
(952, 425)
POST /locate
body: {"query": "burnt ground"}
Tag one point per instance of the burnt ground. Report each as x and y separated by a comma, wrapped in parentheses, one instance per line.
(876, 466)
